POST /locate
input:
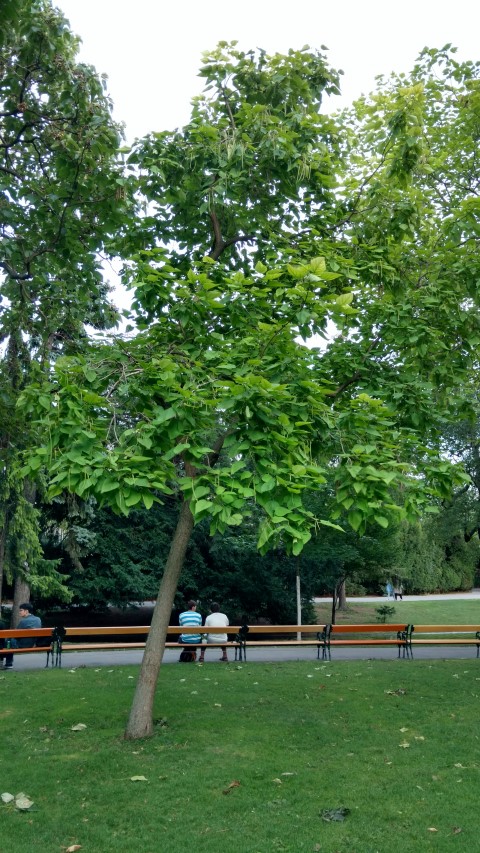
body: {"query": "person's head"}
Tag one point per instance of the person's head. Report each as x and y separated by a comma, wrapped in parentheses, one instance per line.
(191, 605)
(25, 609)
(215, 607)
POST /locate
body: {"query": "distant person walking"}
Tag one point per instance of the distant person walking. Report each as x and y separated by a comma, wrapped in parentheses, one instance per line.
(216, 619)
(398, 591)
(389, 590)
(190, 618)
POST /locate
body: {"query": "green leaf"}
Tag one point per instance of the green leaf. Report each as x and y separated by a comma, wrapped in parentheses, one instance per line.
(355, 519)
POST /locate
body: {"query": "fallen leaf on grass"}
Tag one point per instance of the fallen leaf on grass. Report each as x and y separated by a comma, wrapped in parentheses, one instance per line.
(403, 729)
(432, 829)
(456, 830)
(138, 779)
(335, 814)
(234, 784)
(399, 692)
(79, 727)
(404, 745)
(459, 765)
(73, 848)
(7, 798)
(23, 803)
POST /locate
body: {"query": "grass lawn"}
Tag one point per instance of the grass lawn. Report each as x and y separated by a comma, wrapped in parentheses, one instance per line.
(246, 759)
(447, 612)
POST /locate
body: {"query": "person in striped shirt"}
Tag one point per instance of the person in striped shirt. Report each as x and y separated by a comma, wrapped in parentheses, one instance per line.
(190, 618)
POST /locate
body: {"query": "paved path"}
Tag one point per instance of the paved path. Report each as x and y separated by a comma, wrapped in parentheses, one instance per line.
(109, 660)
(381, 599)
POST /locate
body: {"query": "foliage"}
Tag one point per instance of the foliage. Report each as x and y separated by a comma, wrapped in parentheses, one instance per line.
(242, 177)
(384, 612)
(431, 555)
(57, 182)
(23, 555)
(119, 560)
(59, 201)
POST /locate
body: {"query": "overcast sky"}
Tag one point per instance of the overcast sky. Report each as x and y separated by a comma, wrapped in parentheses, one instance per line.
(151, 50)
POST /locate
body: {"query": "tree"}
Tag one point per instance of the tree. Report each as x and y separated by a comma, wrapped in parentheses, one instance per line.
(218, 400)
(60, 198)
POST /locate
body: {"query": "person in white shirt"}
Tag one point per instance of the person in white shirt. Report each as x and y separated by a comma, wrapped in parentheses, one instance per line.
(216, 619)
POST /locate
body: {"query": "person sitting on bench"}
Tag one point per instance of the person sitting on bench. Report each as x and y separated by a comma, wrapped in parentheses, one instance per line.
(190, 618)
(216, 619)
(27, 620)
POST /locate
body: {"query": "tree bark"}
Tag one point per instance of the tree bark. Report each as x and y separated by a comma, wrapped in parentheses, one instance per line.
(334, 605)
(342, 595)
(2, 561)
(140, 722)
(21, 594)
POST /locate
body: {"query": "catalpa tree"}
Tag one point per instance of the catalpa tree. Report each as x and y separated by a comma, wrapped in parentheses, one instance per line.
(221, 398)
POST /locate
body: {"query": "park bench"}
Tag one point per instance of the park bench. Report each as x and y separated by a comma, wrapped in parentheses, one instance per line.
(404, 637)
(445, 635)
(55, 641)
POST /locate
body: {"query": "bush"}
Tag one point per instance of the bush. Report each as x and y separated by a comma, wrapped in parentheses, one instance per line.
(384, 611)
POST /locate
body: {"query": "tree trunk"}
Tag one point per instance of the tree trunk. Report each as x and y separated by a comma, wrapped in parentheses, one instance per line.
(3, 532)
(334, 605)
(342, 595)
(140, 722)
(21, 594)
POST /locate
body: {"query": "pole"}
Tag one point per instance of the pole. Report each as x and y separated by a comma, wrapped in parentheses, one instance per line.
(299, 602)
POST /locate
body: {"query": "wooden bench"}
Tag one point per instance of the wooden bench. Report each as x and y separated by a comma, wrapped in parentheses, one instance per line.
(407, 636)
(56, 641)
(61, 640)
(445, 635)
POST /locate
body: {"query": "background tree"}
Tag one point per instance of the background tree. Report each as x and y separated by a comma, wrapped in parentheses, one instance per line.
(60, 198)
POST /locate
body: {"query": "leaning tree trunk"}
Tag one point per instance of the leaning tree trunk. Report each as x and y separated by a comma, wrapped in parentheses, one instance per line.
(140, 722)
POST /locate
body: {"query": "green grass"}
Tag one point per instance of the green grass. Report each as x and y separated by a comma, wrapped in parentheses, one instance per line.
(299, 738)
(453, 612)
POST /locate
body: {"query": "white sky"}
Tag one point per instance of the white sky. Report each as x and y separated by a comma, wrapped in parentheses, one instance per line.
(151, 50)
